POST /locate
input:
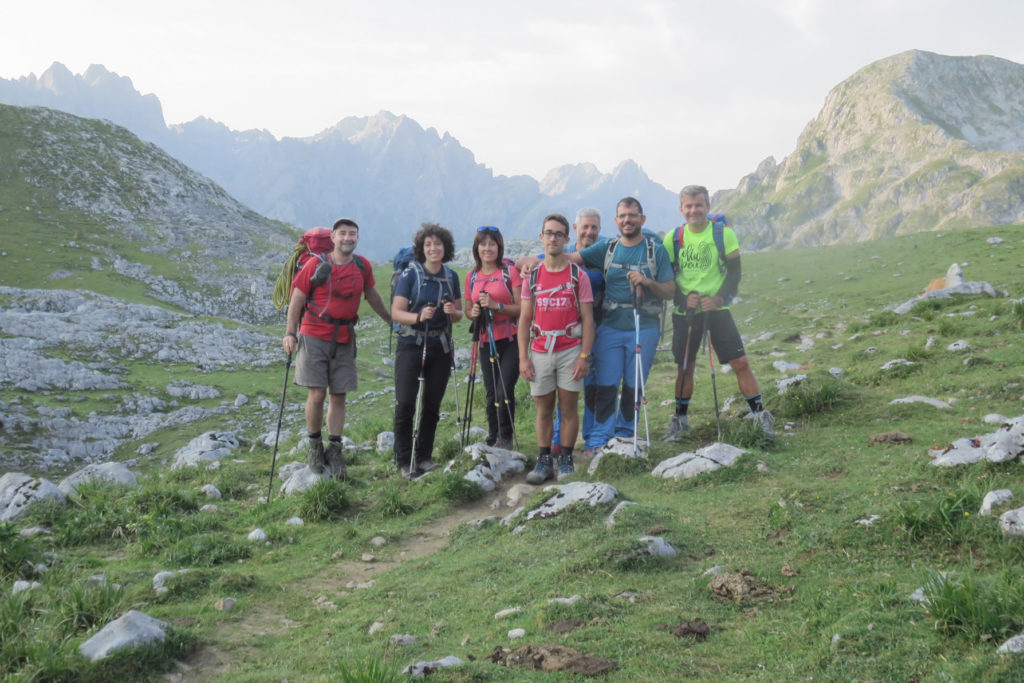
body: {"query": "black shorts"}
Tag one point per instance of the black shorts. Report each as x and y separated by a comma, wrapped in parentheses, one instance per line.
(725, 338)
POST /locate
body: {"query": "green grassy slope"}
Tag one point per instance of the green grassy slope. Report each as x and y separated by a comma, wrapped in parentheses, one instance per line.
(836, 600)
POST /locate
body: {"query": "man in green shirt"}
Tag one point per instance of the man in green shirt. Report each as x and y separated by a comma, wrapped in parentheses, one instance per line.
(707, 275)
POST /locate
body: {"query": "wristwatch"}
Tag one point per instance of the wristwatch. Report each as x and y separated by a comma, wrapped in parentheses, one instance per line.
(501, 307)
(589, 357)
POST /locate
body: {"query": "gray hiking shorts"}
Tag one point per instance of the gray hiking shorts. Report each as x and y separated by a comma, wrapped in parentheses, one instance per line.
(314, 366)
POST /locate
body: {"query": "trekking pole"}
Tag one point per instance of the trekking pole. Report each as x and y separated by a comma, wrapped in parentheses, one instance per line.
(454, 381)
(639, 391)
(496, 361)
(471, 383)
(419, 411)
(711, 362)
(280, 418)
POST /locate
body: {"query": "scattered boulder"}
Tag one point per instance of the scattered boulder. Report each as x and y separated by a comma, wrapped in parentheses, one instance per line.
(385, 442)
(705, 459)
(576, 597)
(517, 634)
(133, 629)
(591, 493)
(993, 499)
(1003, 445)
(658, 546)
(257, 536)
(783, 385)
(610, 519)
(424, 669)
(1012, 522)
(302, 479)
(959, 346)
(896, 362)
(211, 491)
(18, 491)
(837, 372)
(295, 521)
(160, 578)
(210, 446)
(501, 614)
(1014, 645)
(114, 472)
(786, 366)
(402, 639)
(225, 604)
(22, 586)
(497, 463)
(920, 399)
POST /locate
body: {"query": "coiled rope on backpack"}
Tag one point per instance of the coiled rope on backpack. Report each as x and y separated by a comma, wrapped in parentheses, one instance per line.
(283, 286)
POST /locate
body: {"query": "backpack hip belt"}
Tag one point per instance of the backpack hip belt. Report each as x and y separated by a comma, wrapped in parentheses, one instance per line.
(574, 331)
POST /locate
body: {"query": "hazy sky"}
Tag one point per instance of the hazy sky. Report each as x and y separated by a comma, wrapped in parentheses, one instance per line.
(695, 92)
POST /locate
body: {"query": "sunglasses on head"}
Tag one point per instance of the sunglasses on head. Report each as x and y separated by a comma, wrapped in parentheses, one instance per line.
(487, 228)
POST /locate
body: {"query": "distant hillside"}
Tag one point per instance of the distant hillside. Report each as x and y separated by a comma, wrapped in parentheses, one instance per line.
(386, 171)
(917, 141)
(86, 204)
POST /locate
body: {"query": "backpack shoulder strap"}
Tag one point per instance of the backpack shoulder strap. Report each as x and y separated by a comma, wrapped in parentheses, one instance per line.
(506, 275)
(610, 254)
(652, 262)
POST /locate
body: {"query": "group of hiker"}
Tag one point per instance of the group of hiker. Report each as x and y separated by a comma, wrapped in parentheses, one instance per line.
(581, 317)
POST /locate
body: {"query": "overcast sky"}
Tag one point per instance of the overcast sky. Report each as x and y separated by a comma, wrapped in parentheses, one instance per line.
(694, 91)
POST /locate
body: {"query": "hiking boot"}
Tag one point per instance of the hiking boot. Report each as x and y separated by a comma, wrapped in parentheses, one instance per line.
(679, 425)
(565, 467)
(542, 470)
(335, 460)
(765, 420)
(315, 458)
(427, 465)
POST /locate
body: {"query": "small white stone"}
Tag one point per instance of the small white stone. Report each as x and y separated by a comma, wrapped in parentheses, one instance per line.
(375, 627)
(225, 604)
(257, 535)
(507, 612)
(211, 491)
(378, 541)
(295, 521)
(517, 634)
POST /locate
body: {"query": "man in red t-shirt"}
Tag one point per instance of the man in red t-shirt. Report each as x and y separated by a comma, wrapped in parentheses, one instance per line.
(326, 342)
(558, 309)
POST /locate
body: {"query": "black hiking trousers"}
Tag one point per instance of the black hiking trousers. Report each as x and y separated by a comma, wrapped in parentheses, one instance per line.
(436, 373)
(500, 418)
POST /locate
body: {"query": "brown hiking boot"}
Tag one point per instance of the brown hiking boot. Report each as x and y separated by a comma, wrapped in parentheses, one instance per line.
(315, 458)
(335, 460)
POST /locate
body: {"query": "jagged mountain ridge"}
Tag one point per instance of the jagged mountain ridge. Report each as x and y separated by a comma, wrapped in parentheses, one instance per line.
(385, 170)
(917, 141)
(149, 217)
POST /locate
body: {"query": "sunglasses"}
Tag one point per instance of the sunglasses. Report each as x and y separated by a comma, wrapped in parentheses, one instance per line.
(487, 228)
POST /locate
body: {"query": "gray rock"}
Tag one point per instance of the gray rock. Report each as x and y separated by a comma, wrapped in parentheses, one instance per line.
(402, 639)
(211, 491)
(786, 366)
(517, 634)
(385, 442)
(160, 578)
(658, 546)
(204, 448)
(1014, 645)
(114, 472)
(837, 372)
(498, 462)
(947, 293)
(241, 400)
(896, 362)
(691, 464)
(783, 385)
(995, 419)
(22, 586)
(18, 491)
(295, 521)
(959, 346)
(994, 499)
(257, 536)
(920, 399)
(133, 629)
(1012, 522)
(424, 669)
(591, 493)
(192, 391)
(610, 519)
(303, 479)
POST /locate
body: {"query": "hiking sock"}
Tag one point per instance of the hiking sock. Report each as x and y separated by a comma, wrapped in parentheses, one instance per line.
(567, 450)
(545, 450)
(334, 439)
(755, 403)
(316, 437)
(682, 405)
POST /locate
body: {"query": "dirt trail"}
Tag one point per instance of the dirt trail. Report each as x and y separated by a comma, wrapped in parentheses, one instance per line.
(208, 661)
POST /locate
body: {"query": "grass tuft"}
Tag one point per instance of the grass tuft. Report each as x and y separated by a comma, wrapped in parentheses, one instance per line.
(328, 499)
